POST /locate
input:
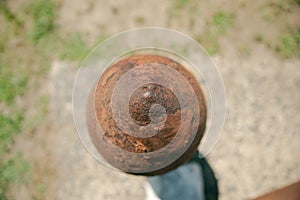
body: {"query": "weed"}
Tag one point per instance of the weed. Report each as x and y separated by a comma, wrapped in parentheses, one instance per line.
(9, 126)
(223, 20)
(91, 6)
(258, 37)
(269, 16)
(244, 50)
(114, 10)
(10, 16)
(139, 20)
(272, 10)
(41, 189)
(209, 42)
(17, 52)
(74, 48)
(284, 6)
(13, 171)
(288, 44)
(43, 13)
(268, 13)
(220, 23)
(243, 4)
(182, 10)
(12, 84)
(178, 4)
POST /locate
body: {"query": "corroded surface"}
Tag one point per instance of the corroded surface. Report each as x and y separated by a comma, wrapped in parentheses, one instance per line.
(146, 105)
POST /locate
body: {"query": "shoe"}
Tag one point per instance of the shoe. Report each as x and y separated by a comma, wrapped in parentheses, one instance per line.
(192, 180)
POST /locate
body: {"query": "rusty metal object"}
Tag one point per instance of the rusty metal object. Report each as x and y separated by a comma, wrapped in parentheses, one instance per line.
(151, 105)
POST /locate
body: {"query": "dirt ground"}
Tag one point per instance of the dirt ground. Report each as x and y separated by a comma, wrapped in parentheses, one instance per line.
(258, 149)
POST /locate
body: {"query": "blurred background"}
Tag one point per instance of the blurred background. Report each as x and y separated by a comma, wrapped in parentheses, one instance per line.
(255, 44)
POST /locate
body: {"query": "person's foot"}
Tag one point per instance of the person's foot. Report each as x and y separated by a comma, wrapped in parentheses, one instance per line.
(193, 180)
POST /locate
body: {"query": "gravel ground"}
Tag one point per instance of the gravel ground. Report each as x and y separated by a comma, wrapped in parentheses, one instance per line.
(79, 175)
(257, 151)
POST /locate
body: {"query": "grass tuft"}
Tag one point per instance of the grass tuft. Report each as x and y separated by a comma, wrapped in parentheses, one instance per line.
(43, 13)
(9, 126)
(12, 85)
(13, 171)
(288, 44)
(220, 23)
(178, 4)
(139, 20)
(223, 20)
(74, 48)
(259, 37)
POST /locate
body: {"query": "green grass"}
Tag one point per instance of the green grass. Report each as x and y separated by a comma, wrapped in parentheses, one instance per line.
(285, 6)
(269, 16)
(178, 4)
(288, 44)
(43, 15)
(259, 37)
(270, 11)
(12, 85)
(220, 23)
(41, 189)
(29, 41)
(180, 9)
(8, 14)
(9, 126)
(74, 48)
(223, 20)
(20, 57)
(13, 171)
(210, 42)
(48, 42)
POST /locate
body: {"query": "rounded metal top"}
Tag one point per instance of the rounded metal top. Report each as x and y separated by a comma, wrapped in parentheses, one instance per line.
(146, 110)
